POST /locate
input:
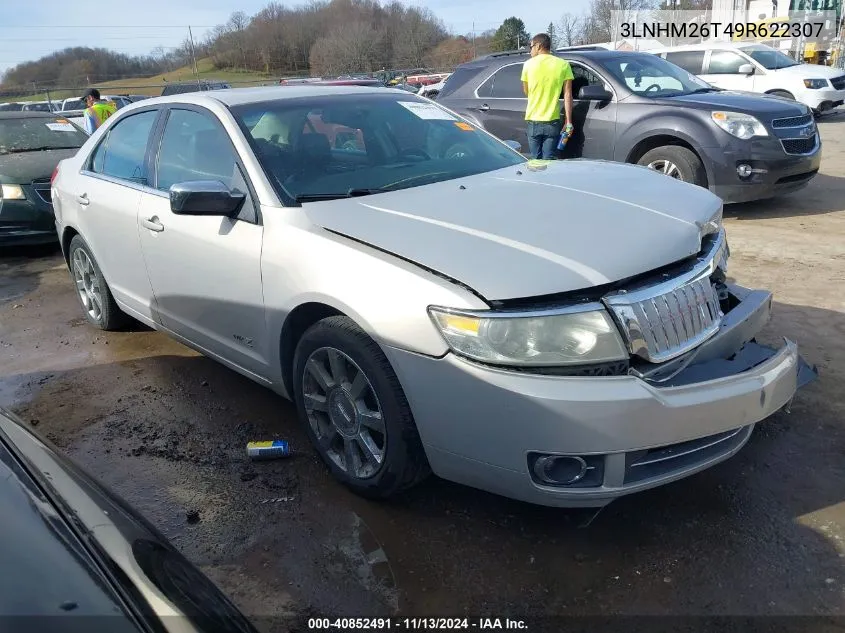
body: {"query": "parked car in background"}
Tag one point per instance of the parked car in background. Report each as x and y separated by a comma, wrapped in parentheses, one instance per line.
(562, 333)
(193, 86)
(79, 552)
(763, 69)
(432, 90)
(41, 106)
(11, 107)
(31, 146)
(73, 107)
(639, 108)
(136, 98)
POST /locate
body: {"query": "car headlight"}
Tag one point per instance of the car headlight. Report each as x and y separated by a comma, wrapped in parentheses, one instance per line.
(11, 192)
(741, 125)
(815, 84)
(564, 338)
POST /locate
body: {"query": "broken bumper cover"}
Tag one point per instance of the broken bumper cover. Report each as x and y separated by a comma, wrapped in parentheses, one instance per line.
(483, 426)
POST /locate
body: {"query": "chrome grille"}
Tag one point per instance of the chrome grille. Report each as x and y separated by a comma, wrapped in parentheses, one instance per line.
(665, 320)
(794, 121)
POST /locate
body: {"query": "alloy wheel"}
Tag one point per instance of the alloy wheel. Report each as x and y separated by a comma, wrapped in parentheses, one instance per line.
(344, 412)
(666, 167)
(87, 284)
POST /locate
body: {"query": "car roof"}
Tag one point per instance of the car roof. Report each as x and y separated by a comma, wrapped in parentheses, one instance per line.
(28, 114)
(241, 96)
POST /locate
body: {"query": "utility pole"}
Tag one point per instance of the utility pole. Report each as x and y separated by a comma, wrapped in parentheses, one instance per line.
(194, 56)
(474, 52)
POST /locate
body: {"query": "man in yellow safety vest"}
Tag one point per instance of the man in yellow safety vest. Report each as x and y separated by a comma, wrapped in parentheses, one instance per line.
(97, 110)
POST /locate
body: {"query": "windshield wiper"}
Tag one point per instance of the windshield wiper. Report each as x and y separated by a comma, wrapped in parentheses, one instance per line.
(700, 90)
(352, 193)
(17, 150)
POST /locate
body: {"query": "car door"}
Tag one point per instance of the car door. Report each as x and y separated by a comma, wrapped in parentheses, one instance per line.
(722, 71)
(205, 270)
(502, 104)
(594, 121)
(107, 192)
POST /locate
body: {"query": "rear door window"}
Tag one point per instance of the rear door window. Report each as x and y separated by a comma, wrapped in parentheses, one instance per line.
(507, 83)
(690, 61)
(121, 154)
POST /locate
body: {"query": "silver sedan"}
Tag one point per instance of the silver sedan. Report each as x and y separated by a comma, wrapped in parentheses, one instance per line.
(562, 333)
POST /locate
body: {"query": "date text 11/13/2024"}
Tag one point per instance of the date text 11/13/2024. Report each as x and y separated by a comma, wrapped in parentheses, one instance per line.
(415, 624)
(740, 30)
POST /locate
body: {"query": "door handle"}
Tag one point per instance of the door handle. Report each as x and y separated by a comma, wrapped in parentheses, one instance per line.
(83, 200)
(153, 224)
(484, 107)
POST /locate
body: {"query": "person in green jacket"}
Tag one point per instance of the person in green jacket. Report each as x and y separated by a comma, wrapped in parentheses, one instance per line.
(97, 110)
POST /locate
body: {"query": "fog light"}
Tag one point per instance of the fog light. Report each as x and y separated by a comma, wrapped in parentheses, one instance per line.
(744, 170)
(560, 470)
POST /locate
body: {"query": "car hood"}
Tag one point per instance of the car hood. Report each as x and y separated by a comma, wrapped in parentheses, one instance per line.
(25, 167)
(809, 71)
(528, 231)
(738, 101)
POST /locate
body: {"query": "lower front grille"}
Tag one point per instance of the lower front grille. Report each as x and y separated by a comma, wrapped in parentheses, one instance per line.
(797, 177)
(665, 460)
(799, 145)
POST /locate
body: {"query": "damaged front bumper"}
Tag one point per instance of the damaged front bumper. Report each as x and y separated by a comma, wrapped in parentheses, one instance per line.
(488, 427)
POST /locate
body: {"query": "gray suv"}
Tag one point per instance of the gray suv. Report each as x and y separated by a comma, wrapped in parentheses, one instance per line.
(639, 108)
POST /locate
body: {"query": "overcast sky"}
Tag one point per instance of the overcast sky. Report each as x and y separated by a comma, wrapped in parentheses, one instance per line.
(30, 29)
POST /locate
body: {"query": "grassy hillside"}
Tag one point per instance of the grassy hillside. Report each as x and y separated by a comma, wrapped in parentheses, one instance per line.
(153, 85)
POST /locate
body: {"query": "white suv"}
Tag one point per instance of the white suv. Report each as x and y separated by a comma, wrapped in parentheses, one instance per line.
(760, 68)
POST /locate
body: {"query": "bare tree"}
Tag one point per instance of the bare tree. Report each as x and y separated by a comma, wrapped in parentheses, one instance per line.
(605, 17)
(350, 48)
(570, 29)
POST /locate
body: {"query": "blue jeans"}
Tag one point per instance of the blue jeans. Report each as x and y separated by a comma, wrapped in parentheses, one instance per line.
(543, 137)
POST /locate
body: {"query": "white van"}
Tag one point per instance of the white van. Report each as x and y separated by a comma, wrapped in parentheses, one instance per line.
(759, 68)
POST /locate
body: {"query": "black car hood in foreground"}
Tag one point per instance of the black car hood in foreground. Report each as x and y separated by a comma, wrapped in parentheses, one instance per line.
(765, 106)
(22, 168)
(524, 232)
(69, 547)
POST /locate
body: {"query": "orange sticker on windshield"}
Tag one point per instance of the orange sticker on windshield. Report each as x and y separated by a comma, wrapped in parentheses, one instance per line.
(463, 126)
(62, 121)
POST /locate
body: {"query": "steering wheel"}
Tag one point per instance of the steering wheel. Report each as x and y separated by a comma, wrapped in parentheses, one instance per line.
(414, 152)
(654, 87)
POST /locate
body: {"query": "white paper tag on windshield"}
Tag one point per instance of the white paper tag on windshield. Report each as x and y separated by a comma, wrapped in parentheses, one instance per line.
(427, 111)
(61, 127)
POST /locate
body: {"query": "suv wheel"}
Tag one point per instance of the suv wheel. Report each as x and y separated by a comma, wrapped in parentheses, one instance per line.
(676, 162)
(354, 410)
(93, 292)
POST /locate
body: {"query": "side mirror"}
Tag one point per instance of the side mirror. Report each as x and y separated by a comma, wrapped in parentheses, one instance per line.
(205, 197)
(514, 145)
(595, 93)
(746, 69)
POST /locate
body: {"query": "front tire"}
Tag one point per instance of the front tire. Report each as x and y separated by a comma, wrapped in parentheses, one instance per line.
(354, 410)
(92, 291)
(676, 162)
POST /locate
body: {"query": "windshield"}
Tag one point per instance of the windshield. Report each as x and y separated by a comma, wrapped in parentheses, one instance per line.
(37, 133)
(768, 57)
(339, 145)
(651, 76)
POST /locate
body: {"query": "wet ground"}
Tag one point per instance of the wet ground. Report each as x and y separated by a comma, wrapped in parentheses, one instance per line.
(763, 533)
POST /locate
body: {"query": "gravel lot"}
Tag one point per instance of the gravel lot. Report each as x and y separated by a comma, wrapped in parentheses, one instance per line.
(763, 533)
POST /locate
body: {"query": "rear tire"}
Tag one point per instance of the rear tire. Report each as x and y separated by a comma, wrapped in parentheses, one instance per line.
(92, 291)
(345, 390)
(677, 162)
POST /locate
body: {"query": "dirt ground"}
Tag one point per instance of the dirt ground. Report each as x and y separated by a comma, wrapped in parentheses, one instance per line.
(763, 533)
